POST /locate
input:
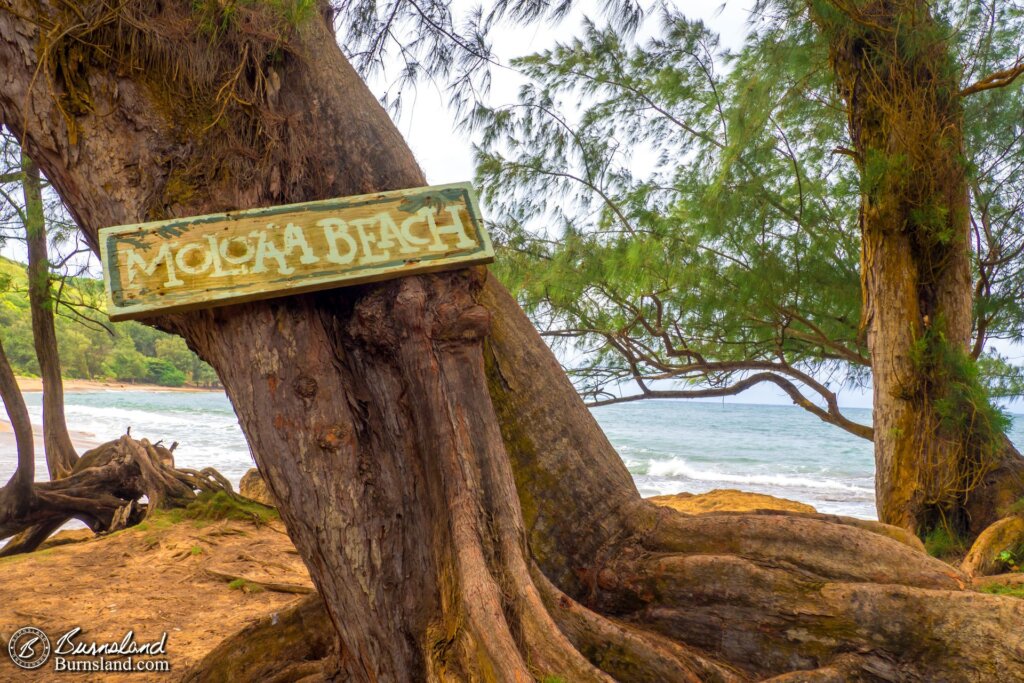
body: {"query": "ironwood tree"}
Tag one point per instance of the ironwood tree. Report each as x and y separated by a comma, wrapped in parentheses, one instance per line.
(60, 452)
(459, 511)
(745, 246)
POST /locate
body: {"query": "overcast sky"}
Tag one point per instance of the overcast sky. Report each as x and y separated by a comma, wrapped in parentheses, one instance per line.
(429, 126)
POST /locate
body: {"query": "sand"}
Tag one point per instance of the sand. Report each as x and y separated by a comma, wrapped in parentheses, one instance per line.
(151, 579)
(80, 385)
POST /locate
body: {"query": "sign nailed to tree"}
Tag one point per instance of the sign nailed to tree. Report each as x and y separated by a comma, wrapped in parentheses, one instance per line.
(214, 260)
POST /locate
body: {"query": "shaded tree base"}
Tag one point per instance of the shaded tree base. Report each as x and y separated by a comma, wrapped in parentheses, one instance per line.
(296, 644)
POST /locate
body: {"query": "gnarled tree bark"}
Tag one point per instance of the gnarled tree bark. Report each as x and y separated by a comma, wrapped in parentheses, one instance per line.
(939, 461)
(459, 511)
(104, 490)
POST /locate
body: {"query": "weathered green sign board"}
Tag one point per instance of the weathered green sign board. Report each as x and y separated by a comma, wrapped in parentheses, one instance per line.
(205, 261)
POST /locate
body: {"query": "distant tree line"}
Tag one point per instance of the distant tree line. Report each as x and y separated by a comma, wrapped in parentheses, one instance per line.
(127, 351)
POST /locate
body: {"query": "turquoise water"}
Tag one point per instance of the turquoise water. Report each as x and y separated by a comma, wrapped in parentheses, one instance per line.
(668, 446)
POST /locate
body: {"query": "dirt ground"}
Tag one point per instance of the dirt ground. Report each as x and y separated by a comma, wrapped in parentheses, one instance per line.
(198, 581)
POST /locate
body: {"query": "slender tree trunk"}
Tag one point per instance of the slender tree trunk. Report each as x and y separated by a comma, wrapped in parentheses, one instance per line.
(374, 411)
(19, 488)
(941, 459)
(60, 453)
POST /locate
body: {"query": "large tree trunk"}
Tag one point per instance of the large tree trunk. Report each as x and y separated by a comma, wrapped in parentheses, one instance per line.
(374, 411)
(60, 453)
(940, 456)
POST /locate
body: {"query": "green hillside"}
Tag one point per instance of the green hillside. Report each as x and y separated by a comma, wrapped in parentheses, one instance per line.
(126, 351)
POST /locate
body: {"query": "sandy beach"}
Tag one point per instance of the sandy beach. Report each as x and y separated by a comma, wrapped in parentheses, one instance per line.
(27, 384)
(35, 384)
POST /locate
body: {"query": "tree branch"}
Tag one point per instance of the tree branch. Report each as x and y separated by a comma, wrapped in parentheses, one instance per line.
(832, 415)
(999, 79)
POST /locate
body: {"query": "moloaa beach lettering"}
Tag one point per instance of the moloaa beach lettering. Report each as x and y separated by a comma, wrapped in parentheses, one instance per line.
(214, 260)
(276, 251)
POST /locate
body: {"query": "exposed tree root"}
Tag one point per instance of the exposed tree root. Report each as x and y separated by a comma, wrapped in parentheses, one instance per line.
(1013, 580)
(262, 584)
(103, 491)
(1006, 535)
(293, 645)
(817, 597)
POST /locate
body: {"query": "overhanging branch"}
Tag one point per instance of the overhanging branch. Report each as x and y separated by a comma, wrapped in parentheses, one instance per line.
(999, 79)
(832, 415)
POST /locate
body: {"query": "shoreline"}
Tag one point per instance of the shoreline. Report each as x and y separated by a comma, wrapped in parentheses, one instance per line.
(82, 441)
(35, 385)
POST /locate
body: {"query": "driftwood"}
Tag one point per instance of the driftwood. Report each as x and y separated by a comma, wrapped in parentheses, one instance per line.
(104, 491)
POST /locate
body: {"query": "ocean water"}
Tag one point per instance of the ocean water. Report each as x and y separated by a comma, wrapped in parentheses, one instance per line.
(202, 422)
(672, 446)
(668, 446)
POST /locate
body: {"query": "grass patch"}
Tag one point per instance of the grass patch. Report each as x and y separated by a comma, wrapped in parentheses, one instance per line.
(214, 507)
(941, 543)
(35, 554)
(1002, 589)
(196, 550)
(245, 586)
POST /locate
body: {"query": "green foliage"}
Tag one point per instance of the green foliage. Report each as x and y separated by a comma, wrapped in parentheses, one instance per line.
(1012, 558)
(125, 363)
(127, 351)
(1013, 591)
(720, 239)
(672, 210)
(941, 543)
(961, 401)
(162, 372)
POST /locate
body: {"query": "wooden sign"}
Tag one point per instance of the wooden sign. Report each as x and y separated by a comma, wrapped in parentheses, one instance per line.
(226, 258)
